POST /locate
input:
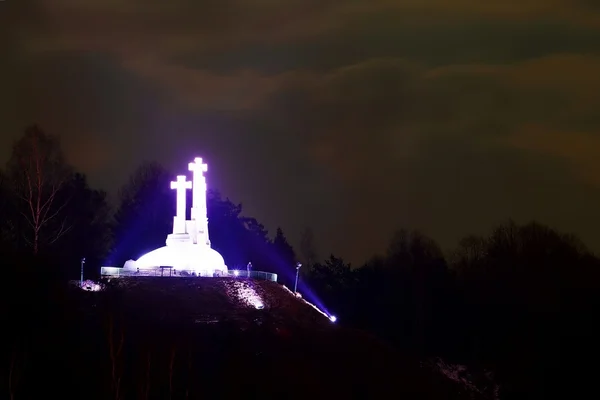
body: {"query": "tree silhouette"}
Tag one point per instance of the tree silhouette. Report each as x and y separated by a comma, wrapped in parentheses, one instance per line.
(90, 235)
(257, 244)
(227, 232)
(522, 297)
(37, 172)
(333, 279)
(333, 269)
(284, 258)
(145, 213)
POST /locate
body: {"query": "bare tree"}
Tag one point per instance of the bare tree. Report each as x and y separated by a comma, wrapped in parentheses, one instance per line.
(38, 172)
(471, 251)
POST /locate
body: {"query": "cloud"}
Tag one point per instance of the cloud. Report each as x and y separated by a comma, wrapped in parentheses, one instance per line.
(87, 99)
(221, 33)
(578, 150)
(202, 90)
(389, 106)
(165, 27)
(439, 115)
(423, 141)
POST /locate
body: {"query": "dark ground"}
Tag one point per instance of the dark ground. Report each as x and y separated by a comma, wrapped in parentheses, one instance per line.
(192, 338)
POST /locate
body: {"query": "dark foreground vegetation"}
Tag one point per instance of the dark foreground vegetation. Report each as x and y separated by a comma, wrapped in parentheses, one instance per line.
(519, 304)
(191, 338)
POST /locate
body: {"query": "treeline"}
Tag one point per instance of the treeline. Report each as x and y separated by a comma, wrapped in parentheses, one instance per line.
(521, 301)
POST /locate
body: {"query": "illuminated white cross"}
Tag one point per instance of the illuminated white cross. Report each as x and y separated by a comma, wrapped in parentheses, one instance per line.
(181, 185)
(199, 182)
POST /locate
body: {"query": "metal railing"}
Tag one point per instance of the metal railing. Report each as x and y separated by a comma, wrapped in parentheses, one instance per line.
(176, 273)
(261, 275)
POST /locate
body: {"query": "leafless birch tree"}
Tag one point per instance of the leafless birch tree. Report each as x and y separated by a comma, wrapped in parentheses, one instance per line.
(37, 173)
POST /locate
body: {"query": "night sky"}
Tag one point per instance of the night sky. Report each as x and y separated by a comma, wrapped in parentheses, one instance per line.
(351, 117)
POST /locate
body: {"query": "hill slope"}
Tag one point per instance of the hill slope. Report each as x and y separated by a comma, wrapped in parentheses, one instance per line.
(160, 338)
(214, 300)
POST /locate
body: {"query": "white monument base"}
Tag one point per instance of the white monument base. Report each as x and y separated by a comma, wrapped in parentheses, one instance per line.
(177, 239)
(190, 257)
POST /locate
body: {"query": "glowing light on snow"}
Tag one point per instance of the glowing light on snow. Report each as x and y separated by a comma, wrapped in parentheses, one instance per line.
(90, 286)
(236, 272)
(244, 292)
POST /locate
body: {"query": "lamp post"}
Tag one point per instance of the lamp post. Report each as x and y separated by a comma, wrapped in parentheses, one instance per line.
(298, 265)
(248, 268)
(81, 279)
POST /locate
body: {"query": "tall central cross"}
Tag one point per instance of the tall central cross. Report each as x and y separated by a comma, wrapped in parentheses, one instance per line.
(199, 184)
(181, 185)
(199, 211)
